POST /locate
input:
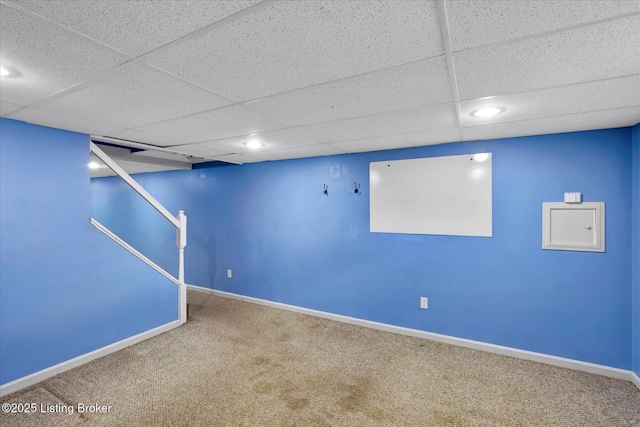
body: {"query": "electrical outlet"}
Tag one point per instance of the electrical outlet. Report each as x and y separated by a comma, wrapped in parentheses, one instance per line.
(424, 302)
(229, 273)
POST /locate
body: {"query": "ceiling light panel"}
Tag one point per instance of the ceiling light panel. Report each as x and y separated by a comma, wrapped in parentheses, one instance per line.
(275, 140)
(47, 57)
(551, 60)
(411, 85)
(580, 98)
(135, 27)
(415, 139)
(290, 45)
(622, 117)
(478, 23)
(222, 123)
(391, 123)
(123, 100)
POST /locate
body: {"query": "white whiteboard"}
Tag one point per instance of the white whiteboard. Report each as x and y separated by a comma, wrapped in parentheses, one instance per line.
(437, 195)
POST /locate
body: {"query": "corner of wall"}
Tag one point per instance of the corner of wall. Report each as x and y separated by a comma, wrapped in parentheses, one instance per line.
(635, 328)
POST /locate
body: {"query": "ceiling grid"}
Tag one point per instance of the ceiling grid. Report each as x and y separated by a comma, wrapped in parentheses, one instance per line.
(196, 81)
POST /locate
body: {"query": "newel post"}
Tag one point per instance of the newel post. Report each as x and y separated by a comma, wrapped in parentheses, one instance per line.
(181, 242)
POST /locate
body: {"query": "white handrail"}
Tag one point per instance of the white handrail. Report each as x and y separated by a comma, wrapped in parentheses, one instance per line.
(133, 184)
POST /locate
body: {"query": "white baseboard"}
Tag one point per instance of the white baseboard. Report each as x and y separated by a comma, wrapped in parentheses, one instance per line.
(635, 379)
(36, 377)
(461, 342)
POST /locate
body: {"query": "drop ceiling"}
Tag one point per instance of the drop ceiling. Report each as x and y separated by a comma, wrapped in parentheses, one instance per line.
(199, 79)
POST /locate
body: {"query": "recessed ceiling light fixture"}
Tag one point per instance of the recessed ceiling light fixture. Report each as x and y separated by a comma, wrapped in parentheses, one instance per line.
(253, 143)
(7, 71)
(487, 112)
(95, 165)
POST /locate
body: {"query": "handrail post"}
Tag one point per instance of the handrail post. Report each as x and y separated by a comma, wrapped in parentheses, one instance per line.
(181, 241)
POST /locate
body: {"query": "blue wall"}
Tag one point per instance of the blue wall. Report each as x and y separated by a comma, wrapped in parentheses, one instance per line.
(287, 242)
(136, 221)
(636, 250)
(66, 289)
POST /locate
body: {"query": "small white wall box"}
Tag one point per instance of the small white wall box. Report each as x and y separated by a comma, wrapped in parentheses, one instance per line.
(578, 227)
(573, 197)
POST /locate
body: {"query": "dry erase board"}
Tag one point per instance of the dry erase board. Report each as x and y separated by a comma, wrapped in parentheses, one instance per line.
(437, 195)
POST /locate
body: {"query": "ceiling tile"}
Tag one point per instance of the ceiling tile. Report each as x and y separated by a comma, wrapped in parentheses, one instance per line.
(135, 27)
(7, 107)
(291, 45)
(475, 23)
(572, 123)
(411, 85)
(274, 140)
(292, 153)
(134, 96)
(162, 155)
(52, 119)
(201, 150)
(217, 124)
(132, 135)
(580, 98)
(551, 60)
(46, 57)
(392, 123)
(416, 139)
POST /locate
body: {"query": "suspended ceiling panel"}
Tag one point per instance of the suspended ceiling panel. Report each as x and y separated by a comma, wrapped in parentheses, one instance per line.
(290, 45)
(385, 124)
(216, 124)
(411, 85)
(134, 27)
(472, 23)
(274, 140)
(310, 78)
(123, 99)
(587, 121)
(399, 141)
(562, 58)
(292, 153)
(47, 57)
(580, 98)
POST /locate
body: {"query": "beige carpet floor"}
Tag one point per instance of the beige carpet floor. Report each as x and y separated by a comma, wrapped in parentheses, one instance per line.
(241, 364)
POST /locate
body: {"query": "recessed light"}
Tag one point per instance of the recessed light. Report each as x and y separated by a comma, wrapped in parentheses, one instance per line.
(95, 165)
(254, 144)
(7, 71)
(487, 112)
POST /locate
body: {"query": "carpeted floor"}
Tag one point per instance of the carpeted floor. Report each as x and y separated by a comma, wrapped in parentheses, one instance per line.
(241, 364)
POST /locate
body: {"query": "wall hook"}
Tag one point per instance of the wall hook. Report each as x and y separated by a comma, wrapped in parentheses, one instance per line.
(356, 189)
(326, 190)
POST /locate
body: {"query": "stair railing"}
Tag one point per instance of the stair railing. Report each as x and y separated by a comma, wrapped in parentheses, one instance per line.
(179, 222)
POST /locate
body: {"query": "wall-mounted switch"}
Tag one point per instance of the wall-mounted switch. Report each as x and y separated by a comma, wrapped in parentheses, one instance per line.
(229, 274)
(424, 302)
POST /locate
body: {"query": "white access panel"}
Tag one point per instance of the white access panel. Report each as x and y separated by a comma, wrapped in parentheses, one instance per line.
(450, 195)
(573, 227)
